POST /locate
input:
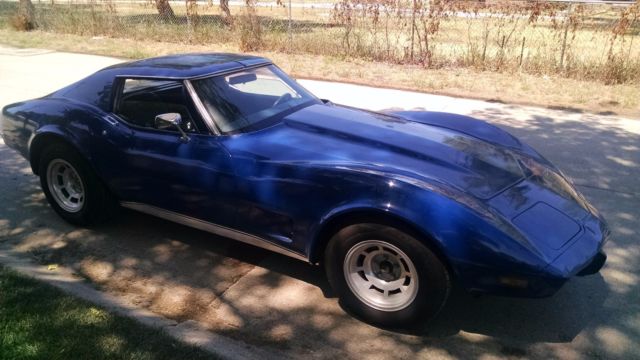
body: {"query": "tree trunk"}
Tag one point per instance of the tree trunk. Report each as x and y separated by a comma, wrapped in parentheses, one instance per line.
(164, 10)
(224, 6)
(192, 13)
(27, 12)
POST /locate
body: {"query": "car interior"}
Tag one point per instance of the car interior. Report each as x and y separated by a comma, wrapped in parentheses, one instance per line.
(140, 105)
(260, 97)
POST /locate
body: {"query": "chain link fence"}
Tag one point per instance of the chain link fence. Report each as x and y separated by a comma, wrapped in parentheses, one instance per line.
(586, 39)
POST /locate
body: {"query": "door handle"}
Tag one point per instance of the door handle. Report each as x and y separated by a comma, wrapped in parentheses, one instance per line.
(111, 120)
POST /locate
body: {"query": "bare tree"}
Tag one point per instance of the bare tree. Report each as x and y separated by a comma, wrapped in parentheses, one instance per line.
(164, 9)
(26, 12)
(26, 8)
(224, 6)
(192, 12)
(166, 12)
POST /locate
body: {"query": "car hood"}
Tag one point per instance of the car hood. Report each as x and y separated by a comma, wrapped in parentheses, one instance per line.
(340, 135)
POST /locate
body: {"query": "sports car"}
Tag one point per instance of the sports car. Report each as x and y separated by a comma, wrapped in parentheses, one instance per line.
(397, 207)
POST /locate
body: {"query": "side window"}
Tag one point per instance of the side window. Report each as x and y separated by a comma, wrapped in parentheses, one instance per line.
(144, 99)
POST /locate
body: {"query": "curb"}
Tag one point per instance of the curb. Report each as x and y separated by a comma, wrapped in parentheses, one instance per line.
(189, 332)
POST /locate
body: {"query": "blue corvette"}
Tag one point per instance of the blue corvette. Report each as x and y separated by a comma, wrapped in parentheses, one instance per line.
(395, 206)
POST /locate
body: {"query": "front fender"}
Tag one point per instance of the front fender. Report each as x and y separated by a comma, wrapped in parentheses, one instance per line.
(465, 233)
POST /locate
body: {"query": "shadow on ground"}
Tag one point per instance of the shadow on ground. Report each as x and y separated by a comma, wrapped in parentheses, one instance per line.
(270, 300)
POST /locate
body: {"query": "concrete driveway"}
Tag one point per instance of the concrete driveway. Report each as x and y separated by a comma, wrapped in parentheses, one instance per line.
(285, 305)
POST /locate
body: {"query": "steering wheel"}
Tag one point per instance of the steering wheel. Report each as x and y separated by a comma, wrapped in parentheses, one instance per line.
(283, 98)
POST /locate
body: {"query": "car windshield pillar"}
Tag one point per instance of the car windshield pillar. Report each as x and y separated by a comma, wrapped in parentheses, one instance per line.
(206, 116)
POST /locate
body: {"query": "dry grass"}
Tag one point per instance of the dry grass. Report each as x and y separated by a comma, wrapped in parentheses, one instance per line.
(517, 88)
(595, 42)
(579, 41)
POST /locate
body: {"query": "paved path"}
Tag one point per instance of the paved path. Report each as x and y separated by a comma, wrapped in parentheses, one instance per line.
(285, 305)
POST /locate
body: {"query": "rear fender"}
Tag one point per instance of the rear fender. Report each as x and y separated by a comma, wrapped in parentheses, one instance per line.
(48, 134)
(32, 124)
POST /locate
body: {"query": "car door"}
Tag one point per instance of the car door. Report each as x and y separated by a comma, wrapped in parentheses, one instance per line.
(190, 175)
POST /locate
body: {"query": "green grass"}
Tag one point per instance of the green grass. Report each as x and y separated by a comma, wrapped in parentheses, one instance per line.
(38, 321)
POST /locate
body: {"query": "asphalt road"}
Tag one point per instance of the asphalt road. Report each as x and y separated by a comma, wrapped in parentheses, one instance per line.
(283, 304)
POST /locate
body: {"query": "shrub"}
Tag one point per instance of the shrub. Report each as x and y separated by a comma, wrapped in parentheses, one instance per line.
(21, 22)
(250, 29)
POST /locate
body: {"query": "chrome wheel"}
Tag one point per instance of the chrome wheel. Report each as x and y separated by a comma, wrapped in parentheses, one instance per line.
(381, 275)
(65, 185)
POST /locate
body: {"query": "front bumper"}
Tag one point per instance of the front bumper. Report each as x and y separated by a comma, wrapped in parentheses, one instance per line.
(595, 265)
(583, 257)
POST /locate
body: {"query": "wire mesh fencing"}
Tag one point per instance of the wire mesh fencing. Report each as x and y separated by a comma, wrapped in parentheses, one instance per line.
(587, 39)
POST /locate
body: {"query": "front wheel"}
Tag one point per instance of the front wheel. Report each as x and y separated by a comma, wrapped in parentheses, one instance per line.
(385, 275)
(72, 188)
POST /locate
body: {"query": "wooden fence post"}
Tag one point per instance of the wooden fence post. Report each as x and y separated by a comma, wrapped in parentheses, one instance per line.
(564, 38)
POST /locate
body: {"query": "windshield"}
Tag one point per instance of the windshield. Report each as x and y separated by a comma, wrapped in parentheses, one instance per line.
(249, 98)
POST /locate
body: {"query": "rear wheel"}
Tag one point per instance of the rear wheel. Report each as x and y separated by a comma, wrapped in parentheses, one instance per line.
(71, 187)
(65, 185)
(385, 275)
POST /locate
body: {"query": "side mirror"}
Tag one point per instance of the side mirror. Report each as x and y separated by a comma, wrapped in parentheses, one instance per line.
(170, 121)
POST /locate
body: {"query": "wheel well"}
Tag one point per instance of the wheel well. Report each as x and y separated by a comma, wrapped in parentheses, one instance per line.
(371, 216)
(39, 144)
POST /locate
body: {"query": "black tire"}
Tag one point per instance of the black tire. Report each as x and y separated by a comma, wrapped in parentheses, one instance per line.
(98, 204)
(434, 282)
